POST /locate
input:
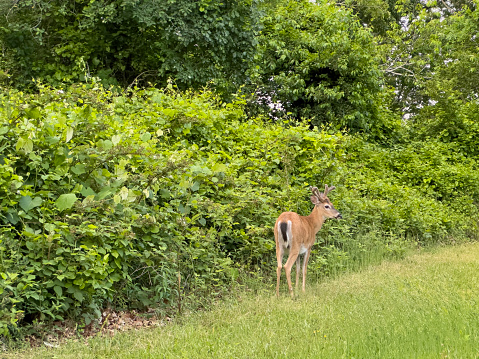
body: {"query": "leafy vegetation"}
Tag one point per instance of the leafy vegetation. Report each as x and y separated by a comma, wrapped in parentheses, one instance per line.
(123, 40)
(131, 201)
(420, 306)
(320, 64)
(145, 164)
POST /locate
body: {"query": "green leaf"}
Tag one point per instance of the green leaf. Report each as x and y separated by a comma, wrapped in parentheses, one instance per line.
(105, 145)
(105, 192)
(13, 218)
(78, 296)
(116, 139)
(146, 136)
(195, 187)
(183, 209)
(78, 169)
(24, 144)
(27, 203)
(33, 113)
(69, 134)
(87, 192)
(219, 167)
(66, 201)
(58, 290)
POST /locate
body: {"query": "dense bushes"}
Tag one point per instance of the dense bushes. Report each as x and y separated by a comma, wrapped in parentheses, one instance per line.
(141, 199)
(108, 198)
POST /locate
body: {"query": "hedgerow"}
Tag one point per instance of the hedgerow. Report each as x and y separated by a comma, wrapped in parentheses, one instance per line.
(142, 199)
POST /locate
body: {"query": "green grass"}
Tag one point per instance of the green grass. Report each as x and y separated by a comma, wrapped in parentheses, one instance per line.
(424, 306)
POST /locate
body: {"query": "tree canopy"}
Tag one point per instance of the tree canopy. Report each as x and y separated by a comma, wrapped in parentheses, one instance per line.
(319, 62)
(192, 42)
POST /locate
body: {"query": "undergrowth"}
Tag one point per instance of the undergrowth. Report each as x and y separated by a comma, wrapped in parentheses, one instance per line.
(161, 200)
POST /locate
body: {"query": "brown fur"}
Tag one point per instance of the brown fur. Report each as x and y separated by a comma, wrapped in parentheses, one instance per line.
(303, 231)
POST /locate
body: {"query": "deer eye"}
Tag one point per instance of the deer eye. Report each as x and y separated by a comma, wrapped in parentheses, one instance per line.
(327, 206)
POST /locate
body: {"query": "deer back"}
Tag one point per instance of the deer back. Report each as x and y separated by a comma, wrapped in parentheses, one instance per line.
(301, 230)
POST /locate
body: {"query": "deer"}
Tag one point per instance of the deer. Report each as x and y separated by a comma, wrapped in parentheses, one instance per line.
(297, 234)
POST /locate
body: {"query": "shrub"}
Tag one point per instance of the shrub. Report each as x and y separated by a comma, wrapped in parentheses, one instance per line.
(129, 200)
(155, 197)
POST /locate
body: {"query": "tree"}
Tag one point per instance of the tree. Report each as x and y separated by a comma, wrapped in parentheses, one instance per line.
(320, 64)
(413, 48)
(431, 62)
(193, 42)
(450, 92)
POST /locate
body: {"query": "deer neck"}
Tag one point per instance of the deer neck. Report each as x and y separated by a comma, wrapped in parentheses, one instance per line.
(316, 219)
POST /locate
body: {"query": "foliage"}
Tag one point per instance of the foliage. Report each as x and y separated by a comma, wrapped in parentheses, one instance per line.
(421, 191)
(132, 201)
(155, 197)
(120, 41)
(431, 54)
(451, 114)
(317, 61)
(384, 15)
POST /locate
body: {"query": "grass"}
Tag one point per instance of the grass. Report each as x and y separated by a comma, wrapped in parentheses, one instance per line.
(424, 306)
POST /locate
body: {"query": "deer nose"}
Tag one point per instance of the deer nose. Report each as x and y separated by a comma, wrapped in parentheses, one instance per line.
(339, 216)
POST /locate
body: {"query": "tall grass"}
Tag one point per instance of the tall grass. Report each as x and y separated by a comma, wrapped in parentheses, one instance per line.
(424, 306)
(341, 253)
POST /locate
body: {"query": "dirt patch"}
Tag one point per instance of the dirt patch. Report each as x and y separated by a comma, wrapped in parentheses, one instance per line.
(110, 323)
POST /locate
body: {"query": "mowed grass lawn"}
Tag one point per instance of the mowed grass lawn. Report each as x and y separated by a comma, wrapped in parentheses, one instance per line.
(425, 306)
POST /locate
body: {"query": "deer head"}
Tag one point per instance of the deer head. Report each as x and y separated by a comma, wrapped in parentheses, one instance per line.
(323, 203)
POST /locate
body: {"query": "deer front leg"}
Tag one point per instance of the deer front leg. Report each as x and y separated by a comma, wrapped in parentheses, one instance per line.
(305, 267)
(288, 266)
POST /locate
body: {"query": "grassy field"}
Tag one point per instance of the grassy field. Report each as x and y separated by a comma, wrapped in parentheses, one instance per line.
(425, 306)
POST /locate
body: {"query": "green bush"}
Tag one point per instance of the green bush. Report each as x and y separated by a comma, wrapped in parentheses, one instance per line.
(129, 200)
(155, 197)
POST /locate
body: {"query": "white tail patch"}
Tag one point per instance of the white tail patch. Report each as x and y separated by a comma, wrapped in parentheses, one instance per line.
(285, 233)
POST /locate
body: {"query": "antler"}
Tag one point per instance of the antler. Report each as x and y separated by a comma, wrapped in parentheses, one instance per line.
(328, 189)
(315, 191)
(319, 195)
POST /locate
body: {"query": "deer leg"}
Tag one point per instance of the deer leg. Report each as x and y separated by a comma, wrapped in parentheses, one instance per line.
(279, 257)
(289, 264)
(305, 267)
(298, 261)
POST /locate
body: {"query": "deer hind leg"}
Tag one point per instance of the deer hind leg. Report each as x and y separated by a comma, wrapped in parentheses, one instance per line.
(298, 261)
(279, 257)
(288, 266)
(283, 236)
